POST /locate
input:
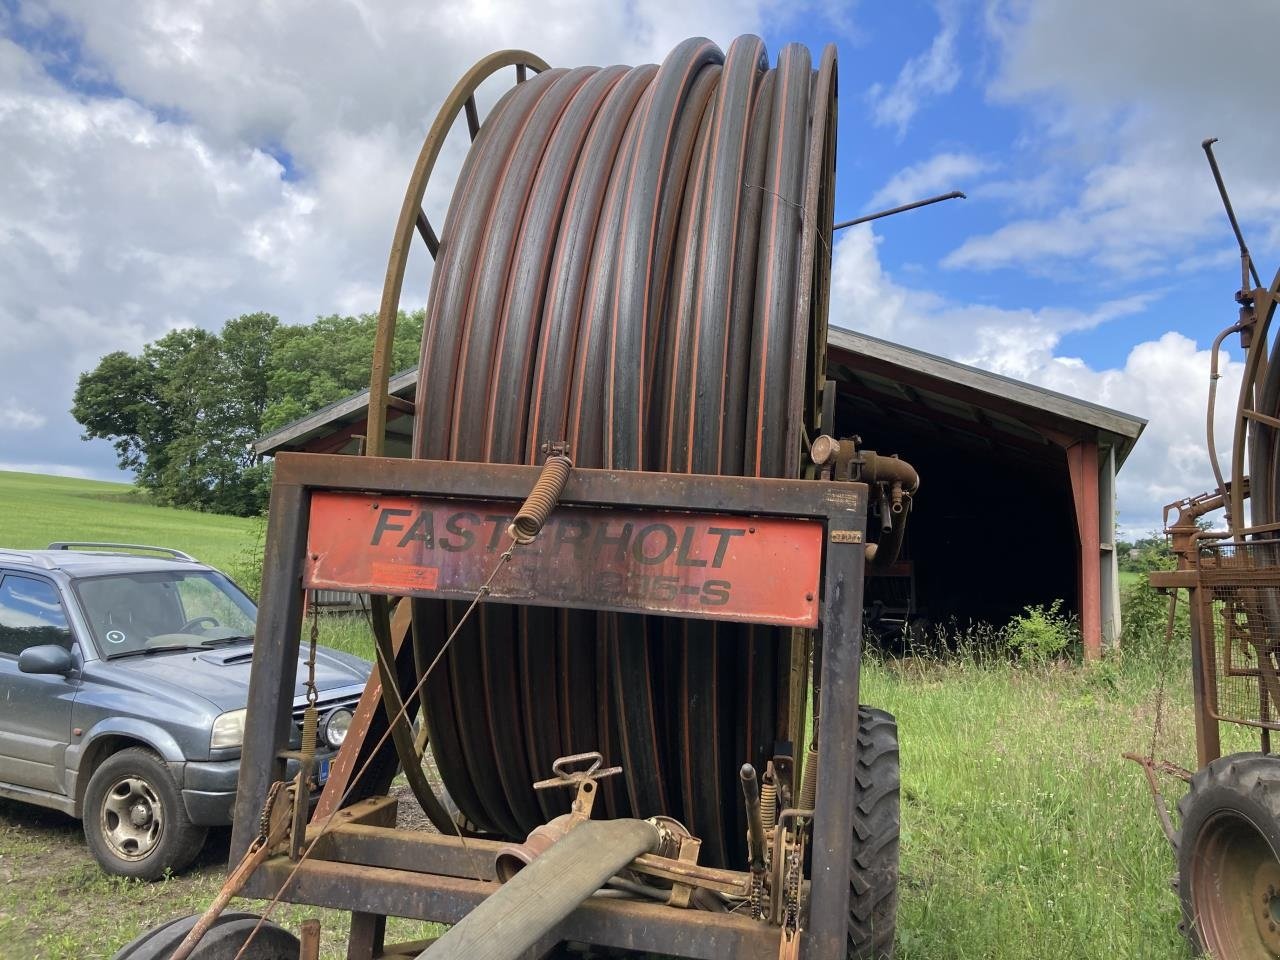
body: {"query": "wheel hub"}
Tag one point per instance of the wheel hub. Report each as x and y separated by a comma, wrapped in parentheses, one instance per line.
(140, 814)
(1266, 904)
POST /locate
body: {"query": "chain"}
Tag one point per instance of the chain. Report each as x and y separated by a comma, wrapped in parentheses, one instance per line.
(757, 895)
(312, 693)
(264, 822)
(1159, 727)
(791, 887)
(310, 717)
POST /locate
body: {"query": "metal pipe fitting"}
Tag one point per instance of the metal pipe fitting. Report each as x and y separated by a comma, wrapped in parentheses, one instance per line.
(881, 468)
(514, 857)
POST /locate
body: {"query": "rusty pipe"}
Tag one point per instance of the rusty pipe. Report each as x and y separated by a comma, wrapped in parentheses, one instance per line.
(530, 905)
(1214, 376)
(883, 468)
(885, 551)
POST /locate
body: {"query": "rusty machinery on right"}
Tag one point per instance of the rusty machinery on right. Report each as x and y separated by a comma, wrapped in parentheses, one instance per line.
(1227, 841)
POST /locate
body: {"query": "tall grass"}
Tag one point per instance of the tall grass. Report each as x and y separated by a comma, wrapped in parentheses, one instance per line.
(1025, 835)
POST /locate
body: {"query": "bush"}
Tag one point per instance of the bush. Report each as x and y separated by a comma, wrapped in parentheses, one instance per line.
(1144, 616)
(1040, 634)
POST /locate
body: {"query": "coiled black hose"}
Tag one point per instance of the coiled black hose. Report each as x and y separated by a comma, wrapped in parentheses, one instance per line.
(633, 263)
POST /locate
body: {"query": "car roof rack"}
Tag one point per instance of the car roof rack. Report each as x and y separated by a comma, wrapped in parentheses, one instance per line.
(132, 547)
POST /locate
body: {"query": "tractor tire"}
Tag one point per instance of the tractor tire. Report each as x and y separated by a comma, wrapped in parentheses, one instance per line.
(873, 874)
(223, 941)
(1228, 850)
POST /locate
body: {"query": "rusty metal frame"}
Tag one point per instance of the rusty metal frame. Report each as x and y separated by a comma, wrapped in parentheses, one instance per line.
(351, 882)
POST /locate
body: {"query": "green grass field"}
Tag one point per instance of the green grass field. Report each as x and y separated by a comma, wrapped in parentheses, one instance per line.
(1025, 835)
(35, 510)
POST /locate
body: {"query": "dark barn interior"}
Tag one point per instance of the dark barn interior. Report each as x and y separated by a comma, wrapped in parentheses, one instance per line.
(993, 528)
(1015, 484)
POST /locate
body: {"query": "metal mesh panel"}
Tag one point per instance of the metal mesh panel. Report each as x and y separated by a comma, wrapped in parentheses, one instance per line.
(1240, 622)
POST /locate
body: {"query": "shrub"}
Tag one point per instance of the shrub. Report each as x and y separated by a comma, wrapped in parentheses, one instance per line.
(1040, 634)
(1144, 615)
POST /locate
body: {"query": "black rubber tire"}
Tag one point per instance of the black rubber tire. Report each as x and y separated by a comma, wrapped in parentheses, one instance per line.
(873, 874)
(180, 840)
(1242, 791)
(222, 942)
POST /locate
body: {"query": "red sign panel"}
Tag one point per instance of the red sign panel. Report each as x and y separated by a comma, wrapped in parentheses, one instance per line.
(724, 567)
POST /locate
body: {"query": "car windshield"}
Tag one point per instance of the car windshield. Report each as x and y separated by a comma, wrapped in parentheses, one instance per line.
(170, 610)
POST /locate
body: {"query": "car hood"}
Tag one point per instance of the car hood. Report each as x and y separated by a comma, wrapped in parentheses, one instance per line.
(221, 675)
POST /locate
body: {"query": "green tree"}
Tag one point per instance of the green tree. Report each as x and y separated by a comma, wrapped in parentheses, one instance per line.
(328, 360)
(118, 401)
(183, 415)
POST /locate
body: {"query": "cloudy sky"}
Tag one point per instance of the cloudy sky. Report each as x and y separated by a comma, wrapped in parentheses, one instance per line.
(164, 164)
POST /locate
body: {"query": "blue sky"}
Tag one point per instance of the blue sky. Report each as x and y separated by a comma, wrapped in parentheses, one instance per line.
(177, 164)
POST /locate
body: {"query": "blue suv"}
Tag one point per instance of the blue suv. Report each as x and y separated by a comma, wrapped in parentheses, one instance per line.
(124, 676)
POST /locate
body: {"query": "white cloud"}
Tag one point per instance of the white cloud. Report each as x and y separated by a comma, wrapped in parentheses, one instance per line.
(1164, 380)
(941, 172)
(14, 416)
(1016, 343)
(1122, 94)
(931, 73)
(115, 227)
(212, 158)
(294, 72)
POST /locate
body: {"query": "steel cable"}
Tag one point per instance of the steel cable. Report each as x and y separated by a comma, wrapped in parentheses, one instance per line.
(627, 265)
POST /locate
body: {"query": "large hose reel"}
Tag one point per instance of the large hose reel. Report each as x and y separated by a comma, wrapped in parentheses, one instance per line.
(634, 265)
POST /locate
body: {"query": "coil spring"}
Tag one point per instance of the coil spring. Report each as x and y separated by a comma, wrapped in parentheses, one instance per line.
(809, 780)
(542, 499)
(768, 803)
(309, 723)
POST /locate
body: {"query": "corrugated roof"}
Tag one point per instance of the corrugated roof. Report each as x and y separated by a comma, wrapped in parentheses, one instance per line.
(992, 384)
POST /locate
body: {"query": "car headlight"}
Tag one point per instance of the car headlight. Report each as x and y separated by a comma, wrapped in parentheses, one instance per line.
(334, 726)
(228, 730)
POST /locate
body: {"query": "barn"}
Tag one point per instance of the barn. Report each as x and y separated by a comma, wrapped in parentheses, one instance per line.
(1017, 502)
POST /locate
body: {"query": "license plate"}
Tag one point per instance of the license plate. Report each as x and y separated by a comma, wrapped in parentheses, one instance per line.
(322, 775)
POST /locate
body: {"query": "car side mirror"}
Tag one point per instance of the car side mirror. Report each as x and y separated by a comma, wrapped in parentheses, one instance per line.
(46, 658)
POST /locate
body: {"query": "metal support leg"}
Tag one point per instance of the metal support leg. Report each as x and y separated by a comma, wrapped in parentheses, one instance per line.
(837, 752)
(368, 934)
(275, 655)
